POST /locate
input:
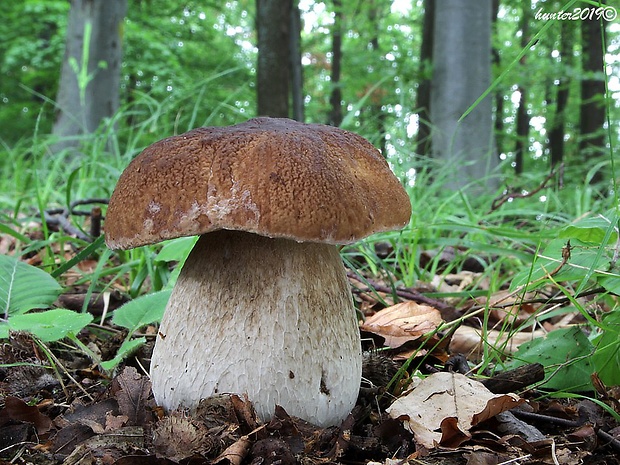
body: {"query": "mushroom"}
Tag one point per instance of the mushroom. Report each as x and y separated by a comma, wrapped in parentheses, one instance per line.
(262, 305)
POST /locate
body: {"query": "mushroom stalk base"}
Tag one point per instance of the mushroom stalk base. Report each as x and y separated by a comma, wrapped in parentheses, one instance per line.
(270, 318)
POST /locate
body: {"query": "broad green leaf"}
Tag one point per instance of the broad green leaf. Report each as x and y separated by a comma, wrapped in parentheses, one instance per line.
(565, 354)
(606, 358)
(50, 325)
(611, 282)
(583, 257)
(141, 311)
(24, 287)
(591, 229)
(125, 350)
(176, 250)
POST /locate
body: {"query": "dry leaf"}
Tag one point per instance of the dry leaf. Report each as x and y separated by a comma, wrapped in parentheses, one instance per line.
(17, 410)
(450, 402)
(132, 392)
(468, 341)
(402, 323)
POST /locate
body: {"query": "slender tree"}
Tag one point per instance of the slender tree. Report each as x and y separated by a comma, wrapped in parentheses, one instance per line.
(90, 76)
(297, 78)
(461, 73)
(335, 98)
(557, 130)
(523, 119)
(374, 110)
(423, 97)
(592, 111)
(274, 63)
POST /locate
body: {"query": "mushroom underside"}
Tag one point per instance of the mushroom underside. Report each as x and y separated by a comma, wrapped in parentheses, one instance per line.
(270, 318)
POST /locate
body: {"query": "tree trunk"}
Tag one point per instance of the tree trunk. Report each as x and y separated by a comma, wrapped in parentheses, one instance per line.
(335, 98)
(523, 130)
(376, 99)
(523, 119)
(462, 72)
(296, 68)
(90, 76)
(423, 104)
(499, 93)
(273, 67)
(592, 111)
(558, 124)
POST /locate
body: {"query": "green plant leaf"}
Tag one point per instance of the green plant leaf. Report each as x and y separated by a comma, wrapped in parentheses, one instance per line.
(611, 282)
(141, 311)
(606, 358)
(583, 258)
(592, 229)
(50, 325)
(24, 287)
(176, 250)
(125, 350)
(565, 355)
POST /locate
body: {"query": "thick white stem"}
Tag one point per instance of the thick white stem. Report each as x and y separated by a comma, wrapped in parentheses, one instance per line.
(270, 318)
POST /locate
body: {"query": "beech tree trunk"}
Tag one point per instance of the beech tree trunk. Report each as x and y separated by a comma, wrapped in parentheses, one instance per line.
(461, 73)
(273, 23)
(90, 76)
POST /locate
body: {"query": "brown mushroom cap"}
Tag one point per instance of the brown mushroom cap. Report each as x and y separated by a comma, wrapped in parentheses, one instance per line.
(269, 176)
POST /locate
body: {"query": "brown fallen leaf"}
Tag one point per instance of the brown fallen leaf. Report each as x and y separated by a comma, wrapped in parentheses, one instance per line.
(451, 402)
(468, 341)
(17, 410)
(133, 394)
(402, 323)
(238, 451)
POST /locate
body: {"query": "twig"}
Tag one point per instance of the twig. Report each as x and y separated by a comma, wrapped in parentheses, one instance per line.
(613, 442)
(60, 217)
(400, 292)
(546, 418)
(62, 221)
(509, 195)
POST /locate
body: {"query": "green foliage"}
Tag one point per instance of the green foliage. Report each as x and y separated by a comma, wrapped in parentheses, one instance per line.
(48, 326)
(583, 251)
(565, 354)
(141, 311)
(134, 315)
(606, 357)
(31, 49)
(18, 280)
(23, 288)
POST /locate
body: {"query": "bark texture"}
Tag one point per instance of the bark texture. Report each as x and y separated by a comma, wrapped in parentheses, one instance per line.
(592, 111)
(273, 24)
(461, 73)
(90, 76)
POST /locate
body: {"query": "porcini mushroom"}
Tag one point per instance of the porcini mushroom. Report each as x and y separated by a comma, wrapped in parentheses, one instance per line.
(262, 305)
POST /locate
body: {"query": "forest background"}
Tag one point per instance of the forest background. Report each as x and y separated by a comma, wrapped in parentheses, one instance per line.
(365, 66)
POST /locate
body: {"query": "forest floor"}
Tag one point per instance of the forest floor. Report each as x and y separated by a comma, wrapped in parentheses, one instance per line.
(59, 407)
